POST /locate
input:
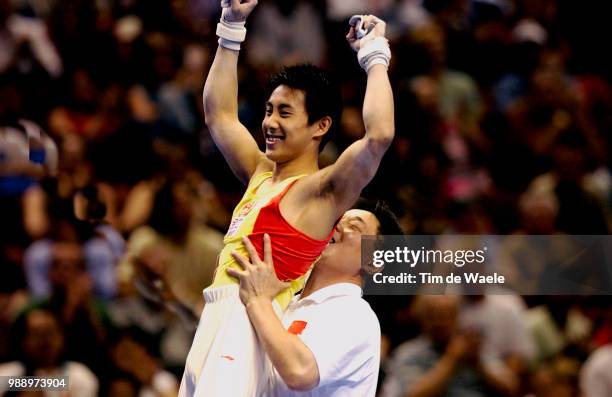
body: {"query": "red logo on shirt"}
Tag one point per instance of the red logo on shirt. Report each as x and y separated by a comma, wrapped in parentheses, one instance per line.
(297, 327)
(237, 221)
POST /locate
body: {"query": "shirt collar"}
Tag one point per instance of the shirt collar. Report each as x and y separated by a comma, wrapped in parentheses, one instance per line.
(339, 289)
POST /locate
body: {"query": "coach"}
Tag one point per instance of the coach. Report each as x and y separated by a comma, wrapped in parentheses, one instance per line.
(327, 343)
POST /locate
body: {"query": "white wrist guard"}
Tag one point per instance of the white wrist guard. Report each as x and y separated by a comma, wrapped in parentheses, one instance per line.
(374, 52)
(231, 34)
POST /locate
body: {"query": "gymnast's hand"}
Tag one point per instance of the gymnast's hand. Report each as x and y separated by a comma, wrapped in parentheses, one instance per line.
(257, 279)
(364, 29)
(237, 10)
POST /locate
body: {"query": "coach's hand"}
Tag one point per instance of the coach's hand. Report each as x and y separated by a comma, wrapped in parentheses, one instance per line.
(258, 278)
(368, 23)
(237, 10)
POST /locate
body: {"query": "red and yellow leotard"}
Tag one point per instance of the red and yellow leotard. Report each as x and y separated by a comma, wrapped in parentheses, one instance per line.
(257, 213)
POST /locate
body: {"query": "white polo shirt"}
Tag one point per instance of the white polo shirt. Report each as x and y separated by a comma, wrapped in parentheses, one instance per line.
(343, 333)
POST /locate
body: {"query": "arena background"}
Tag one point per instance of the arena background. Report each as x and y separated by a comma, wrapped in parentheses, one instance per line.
(503, 121)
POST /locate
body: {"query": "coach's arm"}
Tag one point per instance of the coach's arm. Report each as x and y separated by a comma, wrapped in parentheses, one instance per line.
(221, 105)
(259, 285)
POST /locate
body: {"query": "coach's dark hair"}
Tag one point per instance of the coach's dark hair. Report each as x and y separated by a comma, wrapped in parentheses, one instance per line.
(322, 94)
(388, 225)
(388, 222)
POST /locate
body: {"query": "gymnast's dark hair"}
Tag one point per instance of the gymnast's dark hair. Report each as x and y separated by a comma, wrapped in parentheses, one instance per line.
(322, 94)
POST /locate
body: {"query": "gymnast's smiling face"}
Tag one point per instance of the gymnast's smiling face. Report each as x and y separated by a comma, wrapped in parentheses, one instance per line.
(287, 131)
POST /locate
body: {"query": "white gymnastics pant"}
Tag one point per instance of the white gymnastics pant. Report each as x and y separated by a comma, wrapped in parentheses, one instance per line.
(226, 358)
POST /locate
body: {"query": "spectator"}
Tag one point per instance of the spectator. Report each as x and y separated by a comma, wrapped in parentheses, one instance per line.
(580, 210)
(175, 247)
(83, 319)
(179, 98)
(596, 378)
(39, 343)
(19, 32)
(102, 247)
(274, 40)
(140, 372)
(445, 360)
(557, 378)
(13, 299)
(27, 155)
(502, 322)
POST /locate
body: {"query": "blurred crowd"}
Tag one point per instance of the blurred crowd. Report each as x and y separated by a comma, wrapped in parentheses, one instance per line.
(114, 199)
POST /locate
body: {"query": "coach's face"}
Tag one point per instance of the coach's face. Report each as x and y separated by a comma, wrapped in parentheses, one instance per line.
(343, 254)
(287, 133)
